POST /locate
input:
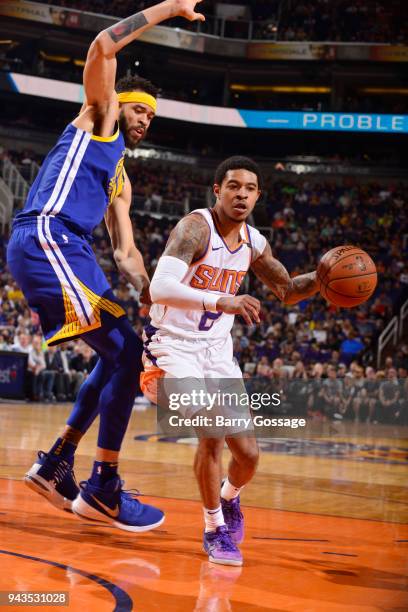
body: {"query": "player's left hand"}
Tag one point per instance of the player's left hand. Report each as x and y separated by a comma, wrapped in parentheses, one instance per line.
(185, 8)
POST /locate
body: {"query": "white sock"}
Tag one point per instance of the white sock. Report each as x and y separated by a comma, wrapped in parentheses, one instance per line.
(228, 491)
(213, 518)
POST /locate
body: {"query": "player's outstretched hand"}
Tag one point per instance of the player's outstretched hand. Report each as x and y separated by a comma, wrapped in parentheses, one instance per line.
(245, 305)
(185, 8)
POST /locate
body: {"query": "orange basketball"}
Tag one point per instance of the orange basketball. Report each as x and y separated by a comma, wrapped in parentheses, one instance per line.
(347, 276)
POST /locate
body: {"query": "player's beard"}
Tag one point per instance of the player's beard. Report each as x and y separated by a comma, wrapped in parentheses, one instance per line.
(130, 141)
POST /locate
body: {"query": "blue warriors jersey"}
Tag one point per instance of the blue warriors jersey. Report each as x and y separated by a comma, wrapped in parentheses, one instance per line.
(48, 253)
(80, 176)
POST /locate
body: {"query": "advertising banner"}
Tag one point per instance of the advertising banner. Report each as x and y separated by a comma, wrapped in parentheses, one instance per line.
(290, 51)
(217, 115)
(12, 374)
(338, 122)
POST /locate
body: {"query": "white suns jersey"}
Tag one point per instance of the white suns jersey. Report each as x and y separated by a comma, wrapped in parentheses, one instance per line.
(219, 271)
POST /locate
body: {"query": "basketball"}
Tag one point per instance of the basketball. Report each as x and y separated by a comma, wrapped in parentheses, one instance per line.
(347, 276)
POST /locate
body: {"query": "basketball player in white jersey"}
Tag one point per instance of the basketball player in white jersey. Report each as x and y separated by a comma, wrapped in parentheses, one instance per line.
(194, 302)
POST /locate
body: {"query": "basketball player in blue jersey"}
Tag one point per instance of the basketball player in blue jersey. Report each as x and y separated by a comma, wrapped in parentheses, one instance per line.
(81, 181)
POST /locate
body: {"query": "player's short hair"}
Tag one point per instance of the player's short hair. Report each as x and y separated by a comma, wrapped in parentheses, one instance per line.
(237, 162)
(136, 83)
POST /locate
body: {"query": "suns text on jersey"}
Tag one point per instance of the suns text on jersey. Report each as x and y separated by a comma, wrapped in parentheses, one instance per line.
(223, 280)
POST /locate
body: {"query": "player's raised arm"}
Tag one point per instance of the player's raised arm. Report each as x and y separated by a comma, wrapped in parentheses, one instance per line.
(100, 67)
(125, 253)
(187, 243)
(275, 276)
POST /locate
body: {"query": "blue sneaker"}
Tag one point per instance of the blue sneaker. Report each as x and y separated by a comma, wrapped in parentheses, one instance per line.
(116, 507)
(53, 478)
(220, 547)
(234, 519)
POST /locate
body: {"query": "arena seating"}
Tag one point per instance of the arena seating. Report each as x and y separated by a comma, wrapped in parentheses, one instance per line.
(306, 218)
(309, 20)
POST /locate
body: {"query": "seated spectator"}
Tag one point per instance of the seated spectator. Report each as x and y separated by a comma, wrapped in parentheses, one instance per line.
(22, 343)
(370, 395)
(299, 371)
(389, 408)
(298, 389)
(341, 370)
(57, 362)
(401, 358)
(81, 364)
(348, 398)
(331, 392)
(389, 363)
(4, 345)
(263, 369)
(42, 380)
(350, 347)
(314, 401)
(360, 393)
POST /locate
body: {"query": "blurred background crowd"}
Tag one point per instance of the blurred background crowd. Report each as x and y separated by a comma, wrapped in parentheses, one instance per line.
(323, 350)
(311, 20)
(322, 188)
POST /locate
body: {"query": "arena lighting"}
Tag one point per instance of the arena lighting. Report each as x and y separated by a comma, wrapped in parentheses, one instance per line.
(281, 88)
(62, 59)
(402, 91)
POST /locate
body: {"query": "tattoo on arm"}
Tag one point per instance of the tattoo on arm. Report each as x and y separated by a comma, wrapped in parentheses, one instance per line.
(275, 276)
(271, 272)
(127, 26)
(189, 239)
(302, 287)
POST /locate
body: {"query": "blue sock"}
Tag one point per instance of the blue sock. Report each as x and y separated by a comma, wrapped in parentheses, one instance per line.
(103, 471)
(63, 449)
(111, 387)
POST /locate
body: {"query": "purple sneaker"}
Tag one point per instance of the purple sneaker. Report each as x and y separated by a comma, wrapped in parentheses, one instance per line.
(220, 547)
(234, 519)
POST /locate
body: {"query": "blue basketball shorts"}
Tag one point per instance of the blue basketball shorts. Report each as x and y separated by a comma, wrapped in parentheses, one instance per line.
(58, 273)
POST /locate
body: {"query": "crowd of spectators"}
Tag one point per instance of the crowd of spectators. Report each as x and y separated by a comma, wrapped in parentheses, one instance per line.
(377, 21)
(55, 373)
(116, 8)
(305, 349)
(158, 184)
(307, 343)
(334, 390)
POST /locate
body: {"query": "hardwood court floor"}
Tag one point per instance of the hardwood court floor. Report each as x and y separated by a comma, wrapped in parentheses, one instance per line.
(325, 525)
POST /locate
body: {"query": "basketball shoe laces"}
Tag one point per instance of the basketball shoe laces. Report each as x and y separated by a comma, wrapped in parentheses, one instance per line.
(222, 537)
(127, 494)
(232, 514)
(61, 467)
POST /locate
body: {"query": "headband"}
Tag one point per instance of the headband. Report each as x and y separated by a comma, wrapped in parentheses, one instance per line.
(138, 96)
